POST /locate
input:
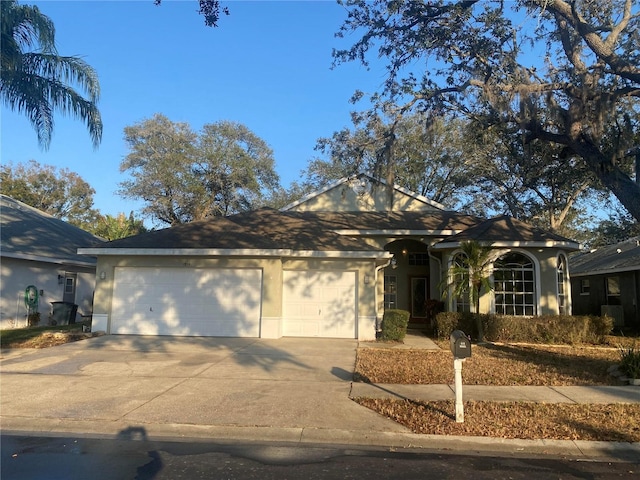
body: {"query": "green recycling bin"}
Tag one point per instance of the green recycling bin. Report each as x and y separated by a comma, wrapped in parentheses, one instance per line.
(63, 313)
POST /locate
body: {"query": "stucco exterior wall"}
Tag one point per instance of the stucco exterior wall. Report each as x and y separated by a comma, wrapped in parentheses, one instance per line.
(16, 275)
(343, 198)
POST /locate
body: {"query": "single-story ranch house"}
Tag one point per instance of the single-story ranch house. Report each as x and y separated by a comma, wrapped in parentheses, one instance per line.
(325, 266)
(606, 280)
(40, 251)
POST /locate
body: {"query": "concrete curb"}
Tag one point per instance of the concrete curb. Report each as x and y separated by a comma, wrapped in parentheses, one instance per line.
(327, 437)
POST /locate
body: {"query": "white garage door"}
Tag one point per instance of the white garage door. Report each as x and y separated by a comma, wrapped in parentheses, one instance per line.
(319, 304)
(187, 301)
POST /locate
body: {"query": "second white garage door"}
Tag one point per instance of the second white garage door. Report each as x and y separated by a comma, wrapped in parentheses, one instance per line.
(319, 304)
(217, 302)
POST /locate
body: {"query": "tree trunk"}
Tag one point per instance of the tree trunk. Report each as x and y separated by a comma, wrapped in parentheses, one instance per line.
(478, 317)
(611, 176)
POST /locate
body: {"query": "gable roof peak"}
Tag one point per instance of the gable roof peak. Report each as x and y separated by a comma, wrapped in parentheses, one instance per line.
(360, 183)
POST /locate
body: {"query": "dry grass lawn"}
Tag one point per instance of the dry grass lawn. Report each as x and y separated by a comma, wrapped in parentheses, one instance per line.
(503, 365)
(491, 364)
(42, 336)
(609, 423)
(50, 339)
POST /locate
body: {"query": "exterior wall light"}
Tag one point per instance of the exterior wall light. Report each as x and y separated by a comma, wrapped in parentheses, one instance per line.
(103, 275)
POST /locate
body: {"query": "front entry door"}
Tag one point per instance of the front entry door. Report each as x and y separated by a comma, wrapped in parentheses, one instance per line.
(70, 288)
(419, 296)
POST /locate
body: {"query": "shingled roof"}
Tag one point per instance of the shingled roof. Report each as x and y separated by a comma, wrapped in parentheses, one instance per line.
(446, 222)
(269, 229)
(620, 257)
(30, 234)
(507, 231)
(263, 229)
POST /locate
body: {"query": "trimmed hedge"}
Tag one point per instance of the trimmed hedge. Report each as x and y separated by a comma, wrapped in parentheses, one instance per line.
(394, 325)
(552, 329)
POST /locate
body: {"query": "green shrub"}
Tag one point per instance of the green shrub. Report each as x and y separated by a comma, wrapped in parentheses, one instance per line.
(560, 329)
(433, 307)
(571, 329)
(630, 361)
(467, 323)
(600, 327)
(556, 329)
(394, 325)
(445, 323)
(504, 328)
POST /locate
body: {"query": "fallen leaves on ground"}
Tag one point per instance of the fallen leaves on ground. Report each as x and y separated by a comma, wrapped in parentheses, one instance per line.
(523, 420)
(51, 339)
(503, 364)
(491, 364)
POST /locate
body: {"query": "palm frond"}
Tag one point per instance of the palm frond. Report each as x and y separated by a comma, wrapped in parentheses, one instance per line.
(68, 70)
(38, 82)
(472, 274)
(25, 93)
(27, 26)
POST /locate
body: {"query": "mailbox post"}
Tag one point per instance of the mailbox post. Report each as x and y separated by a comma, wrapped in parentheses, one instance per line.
(461, 350)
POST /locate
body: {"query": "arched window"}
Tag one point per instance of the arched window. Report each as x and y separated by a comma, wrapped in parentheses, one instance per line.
(561, 275)
(514, 285)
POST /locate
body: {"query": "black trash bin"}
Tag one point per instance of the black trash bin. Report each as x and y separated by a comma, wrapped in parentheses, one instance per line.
(64, 313)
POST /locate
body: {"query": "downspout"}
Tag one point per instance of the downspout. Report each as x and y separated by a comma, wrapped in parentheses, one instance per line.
(375, 283)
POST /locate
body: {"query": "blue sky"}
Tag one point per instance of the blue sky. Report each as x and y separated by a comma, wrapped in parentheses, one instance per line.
(267, 66)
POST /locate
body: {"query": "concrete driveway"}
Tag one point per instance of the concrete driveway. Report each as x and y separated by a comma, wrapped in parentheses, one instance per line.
(186, 386)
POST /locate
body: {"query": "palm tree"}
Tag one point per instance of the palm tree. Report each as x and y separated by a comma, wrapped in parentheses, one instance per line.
(35, 80)
(471, 274)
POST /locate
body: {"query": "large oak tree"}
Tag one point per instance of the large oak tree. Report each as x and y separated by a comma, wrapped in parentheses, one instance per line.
(562, 72)
(59, 192)
(429, 160)
(182, 175)
(468, 168)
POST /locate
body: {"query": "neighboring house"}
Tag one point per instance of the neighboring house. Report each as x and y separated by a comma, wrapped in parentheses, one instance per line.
(327, 266)
(39, 250)
(607, 280)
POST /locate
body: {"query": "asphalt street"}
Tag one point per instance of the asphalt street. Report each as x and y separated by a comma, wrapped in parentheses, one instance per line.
(133, 456)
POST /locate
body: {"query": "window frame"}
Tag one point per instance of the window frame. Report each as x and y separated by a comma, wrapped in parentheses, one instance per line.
(390, 291)
(418, 259)
(69, 285)
(616, 296)
(585, 286)
(519, 285)
(563, 287)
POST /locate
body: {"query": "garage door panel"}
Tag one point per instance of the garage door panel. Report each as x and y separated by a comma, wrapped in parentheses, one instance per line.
(319, 304)
(202, 302)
